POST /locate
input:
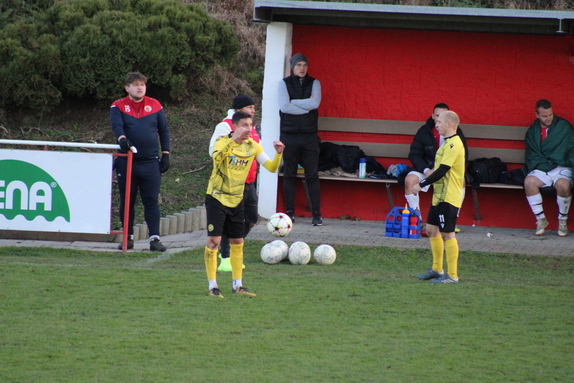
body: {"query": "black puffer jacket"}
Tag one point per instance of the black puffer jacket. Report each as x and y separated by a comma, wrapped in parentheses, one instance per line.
(423, 148)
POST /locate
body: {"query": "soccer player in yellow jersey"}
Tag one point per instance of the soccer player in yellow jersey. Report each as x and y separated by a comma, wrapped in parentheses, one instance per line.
(447, 180)
(232, 158)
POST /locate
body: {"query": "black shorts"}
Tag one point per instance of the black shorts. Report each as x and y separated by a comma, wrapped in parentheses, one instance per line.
(224, 220)
(444, 216)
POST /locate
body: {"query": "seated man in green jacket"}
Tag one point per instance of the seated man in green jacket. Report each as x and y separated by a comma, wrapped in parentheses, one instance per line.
(548, 161)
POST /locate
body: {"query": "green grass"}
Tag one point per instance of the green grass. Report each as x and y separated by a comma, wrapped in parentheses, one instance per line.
(74, 316)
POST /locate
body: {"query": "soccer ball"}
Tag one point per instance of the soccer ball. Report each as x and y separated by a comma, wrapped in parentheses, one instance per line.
(325, 255)
(272, 253)
(284, 248)
(279, 224)
(299, 253)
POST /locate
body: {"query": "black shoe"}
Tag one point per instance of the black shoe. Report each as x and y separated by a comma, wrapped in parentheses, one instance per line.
(156, 245)
(130, 245)
(291, 214)
(317, 220)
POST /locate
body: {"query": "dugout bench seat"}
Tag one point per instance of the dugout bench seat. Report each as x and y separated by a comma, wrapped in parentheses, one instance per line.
(389, 141)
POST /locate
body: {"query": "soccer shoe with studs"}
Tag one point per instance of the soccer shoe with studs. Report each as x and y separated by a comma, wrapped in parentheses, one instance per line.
(562, 227)
(430, 274)
(243, 291)
(445, 279)
(129, 246)
(541, 224)
(225, 264)
(215, 292)
(156, 245)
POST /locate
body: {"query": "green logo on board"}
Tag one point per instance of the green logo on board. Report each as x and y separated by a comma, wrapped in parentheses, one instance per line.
(27, 190)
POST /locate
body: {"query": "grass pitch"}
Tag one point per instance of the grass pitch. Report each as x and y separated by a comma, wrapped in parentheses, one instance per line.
(74, 316)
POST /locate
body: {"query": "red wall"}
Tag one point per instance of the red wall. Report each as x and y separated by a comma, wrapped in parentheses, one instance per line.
(491, 79)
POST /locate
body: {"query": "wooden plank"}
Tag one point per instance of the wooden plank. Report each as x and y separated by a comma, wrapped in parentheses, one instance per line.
(359, 125)
(352, 179)
(500, 186)
(368, 126)
(494, 132)
(394, 181)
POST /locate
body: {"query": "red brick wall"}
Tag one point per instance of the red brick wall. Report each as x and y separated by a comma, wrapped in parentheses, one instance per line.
(491, 79)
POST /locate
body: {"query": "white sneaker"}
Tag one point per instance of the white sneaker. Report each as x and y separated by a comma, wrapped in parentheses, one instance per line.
(541, 224)
(562, 227)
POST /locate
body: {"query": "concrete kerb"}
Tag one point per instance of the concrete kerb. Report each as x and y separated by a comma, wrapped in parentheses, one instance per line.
(185, 222)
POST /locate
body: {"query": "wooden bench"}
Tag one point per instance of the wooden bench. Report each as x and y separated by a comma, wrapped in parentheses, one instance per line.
(389, 142)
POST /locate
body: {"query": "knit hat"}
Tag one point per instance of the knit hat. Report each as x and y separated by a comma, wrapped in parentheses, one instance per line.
(296, 58)
(241, 101)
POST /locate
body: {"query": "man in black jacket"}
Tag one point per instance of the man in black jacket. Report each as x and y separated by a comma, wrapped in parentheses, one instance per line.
(299, 97)
(422, 155)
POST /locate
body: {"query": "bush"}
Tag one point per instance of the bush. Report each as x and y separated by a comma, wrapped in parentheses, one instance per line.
(29, 65)
(84, 48)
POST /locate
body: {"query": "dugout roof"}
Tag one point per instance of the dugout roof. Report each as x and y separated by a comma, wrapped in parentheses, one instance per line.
(415, 17)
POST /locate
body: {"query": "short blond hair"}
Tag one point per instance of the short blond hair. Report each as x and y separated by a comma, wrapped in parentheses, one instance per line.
(451, 116)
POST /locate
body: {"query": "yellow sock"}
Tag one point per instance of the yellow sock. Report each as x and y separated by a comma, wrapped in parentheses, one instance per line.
(451, 247)
(210, 258)
(236, 259)
(437, 247)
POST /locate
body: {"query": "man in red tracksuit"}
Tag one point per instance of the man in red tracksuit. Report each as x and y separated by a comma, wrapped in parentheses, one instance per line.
(138, 121)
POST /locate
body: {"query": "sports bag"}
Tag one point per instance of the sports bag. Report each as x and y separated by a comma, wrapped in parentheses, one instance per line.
(484, 170)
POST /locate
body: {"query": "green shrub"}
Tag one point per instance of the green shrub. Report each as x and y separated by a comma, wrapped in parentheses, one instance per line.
(29, 65)
(84, 48)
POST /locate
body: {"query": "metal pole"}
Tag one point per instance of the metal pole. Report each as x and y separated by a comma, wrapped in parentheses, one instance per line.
(127, 205)
(56, 143)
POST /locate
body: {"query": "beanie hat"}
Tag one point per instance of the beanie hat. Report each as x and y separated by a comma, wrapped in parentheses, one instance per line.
(296, 58)
(241, 101)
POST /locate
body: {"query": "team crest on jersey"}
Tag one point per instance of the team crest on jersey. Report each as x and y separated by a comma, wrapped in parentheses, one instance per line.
(127, 108)
(147, 108)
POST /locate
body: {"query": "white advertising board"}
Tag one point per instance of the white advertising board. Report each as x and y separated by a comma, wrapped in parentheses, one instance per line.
(55, 191)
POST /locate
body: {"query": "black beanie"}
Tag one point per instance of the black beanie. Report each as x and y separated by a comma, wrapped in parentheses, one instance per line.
(296, 58)
(241, 101)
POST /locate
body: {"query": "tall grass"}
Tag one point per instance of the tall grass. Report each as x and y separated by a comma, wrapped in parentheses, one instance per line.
(76, 316)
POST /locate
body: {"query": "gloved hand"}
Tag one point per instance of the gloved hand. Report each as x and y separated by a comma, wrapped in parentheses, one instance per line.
(164, 163)
(125, 144)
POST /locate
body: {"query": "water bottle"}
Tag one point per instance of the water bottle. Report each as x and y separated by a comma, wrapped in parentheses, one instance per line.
(362, 167)
(405, 222)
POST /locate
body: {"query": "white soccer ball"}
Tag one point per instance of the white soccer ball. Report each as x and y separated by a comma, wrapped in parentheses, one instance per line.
(299, 253)
(272, 253)
(279, 224)
(283, 246)
(325, 255)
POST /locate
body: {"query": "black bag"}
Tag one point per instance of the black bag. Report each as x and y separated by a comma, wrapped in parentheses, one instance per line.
(484, 170)
(348, 156)
(513, 177)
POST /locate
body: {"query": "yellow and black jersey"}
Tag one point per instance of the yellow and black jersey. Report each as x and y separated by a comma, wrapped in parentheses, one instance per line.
(449, 188)
(231, 164)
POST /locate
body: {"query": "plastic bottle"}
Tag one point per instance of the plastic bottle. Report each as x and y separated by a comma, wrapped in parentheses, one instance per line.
(362, 167)
(414, 224)
(405, 222)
